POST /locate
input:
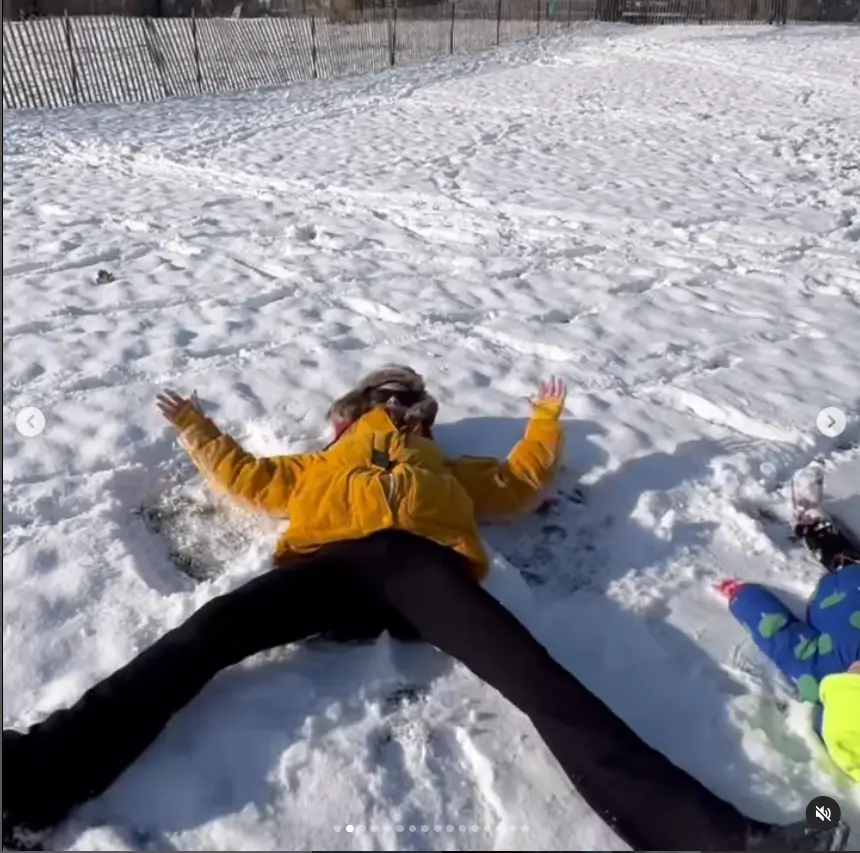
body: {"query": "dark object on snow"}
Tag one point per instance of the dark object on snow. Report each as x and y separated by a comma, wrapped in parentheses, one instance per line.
(105, 277)
(76, 754)
(800, 838)
(201, 536)
(832, 547)
(164, 519)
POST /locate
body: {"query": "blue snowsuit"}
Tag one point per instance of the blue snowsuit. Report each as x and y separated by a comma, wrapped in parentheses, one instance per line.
(826, 643)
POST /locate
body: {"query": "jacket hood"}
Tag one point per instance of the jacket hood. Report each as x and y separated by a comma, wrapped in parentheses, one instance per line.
(355, 403)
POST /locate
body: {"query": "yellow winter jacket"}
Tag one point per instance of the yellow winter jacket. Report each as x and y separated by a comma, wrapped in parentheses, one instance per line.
(840, 729)
(377, 477)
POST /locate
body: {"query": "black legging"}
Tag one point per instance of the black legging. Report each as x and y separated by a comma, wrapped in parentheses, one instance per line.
(389, 580)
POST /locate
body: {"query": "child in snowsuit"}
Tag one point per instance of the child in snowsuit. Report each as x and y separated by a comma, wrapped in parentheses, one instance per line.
(821, 654)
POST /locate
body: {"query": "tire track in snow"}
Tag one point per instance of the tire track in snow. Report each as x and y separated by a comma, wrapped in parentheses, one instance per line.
(426, 217)
(416, 209)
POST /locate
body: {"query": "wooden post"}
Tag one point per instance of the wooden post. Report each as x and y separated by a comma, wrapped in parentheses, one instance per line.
(68, 28)
(393, 45)
(451, 35)
(314, 46)
(196, 46)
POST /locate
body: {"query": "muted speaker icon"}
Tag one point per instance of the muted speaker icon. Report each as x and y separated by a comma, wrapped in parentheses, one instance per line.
(823, 813)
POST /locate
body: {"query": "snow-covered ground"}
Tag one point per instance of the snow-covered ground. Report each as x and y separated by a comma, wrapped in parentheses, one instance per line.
(669, 218)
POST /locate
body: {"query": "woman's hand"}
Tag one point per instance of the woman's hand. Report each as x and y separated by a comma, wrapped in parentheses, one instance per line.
(552, 390)
(171, 404)
(550, 398)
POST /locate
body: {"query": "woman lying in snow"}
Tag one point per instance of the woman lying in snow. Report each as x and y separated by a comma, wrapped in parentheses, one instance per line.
(383, 536)
(820, 655)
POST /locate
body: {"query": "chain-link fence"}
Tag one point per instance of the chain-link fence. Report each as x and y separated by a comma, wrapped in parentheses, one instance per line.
(139, 53)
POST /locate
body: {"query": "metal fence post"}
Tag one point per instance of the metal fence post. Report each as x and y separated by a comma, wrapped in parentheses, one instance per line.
(538, 16)
(196, 45)
(499, 23)
(68, 29)
(451, 36)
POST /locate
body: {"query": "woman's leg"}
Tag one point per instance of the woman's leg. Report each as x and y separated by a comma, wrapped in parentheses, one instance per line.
(648, 801)
(76, 753)
(366, 624)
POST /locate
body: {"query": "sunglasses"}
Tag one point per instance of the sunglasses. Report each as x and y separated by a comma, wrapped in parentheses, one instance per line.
(378, 396)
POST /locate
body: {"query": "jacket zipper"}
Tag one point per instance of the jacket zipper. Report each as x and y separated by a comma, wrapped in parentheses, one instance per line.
(390, 485)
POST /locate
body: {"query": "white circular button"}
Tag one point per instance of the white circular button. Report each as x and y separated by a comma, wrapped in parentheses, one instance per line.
(30, 422)
(831, 422)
